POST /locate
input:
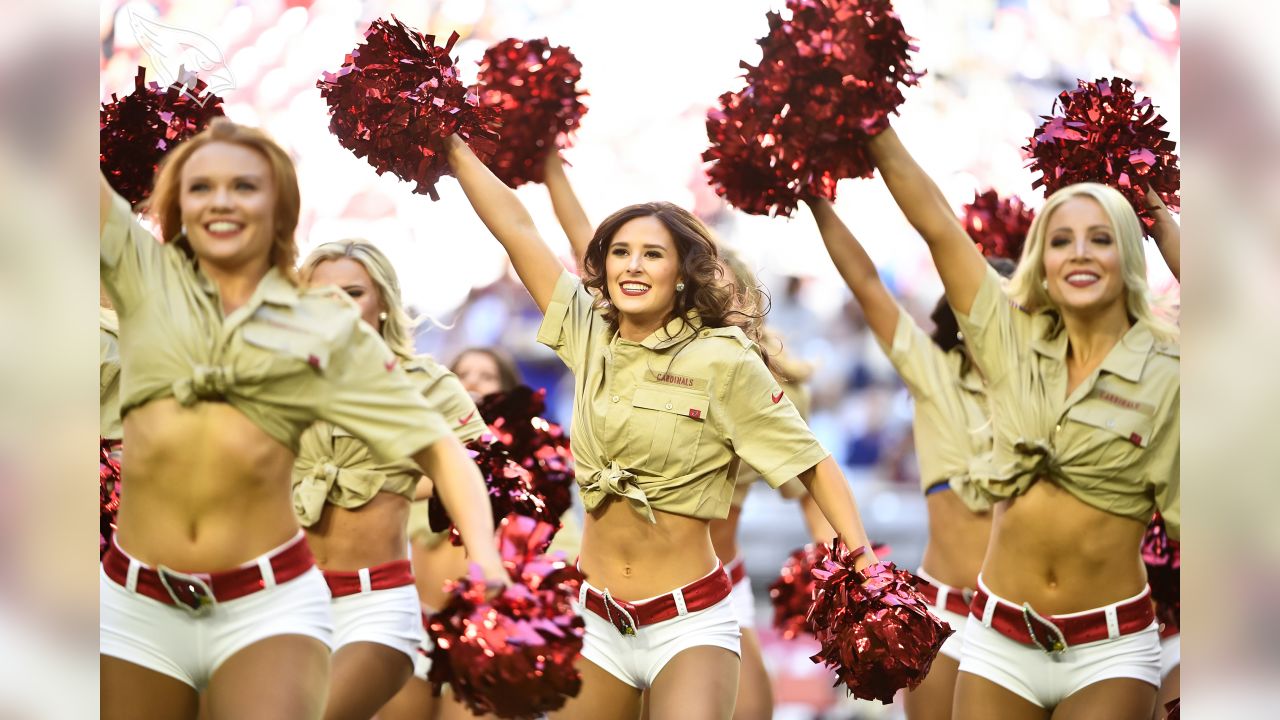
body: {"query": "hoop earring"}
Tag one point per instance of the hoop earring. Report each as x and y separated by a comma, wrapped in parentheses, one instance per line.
(679, 287)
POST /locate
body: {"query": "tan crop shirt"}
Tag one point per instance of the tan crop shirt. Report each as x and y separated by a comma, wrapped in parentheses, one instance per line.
(1113, 444)
(109, 426)
(334, 466)
(658, 422)
(286, 358)
(951, 426)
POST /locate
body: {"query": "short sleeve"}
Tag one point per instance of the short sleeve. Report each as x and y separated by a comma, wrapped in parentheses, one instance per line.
(920, 363)
(991, 331)
(127, 253)
(446, 395)
(370, 396)
(567, 322)
(762, 425)
(1164, 458)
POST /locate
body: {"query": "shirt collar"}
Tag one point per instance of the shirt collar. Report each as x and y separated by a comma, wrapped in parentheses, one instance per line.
(1126, 359)
(276, 289)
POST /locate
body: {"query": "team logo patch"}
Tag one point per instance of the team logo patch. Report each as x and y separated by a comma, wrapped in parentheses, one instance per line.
(695, 413)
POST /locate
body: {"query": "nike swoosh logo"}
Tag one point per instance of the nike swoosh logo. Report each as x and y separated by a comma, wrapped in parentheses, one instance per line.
(390, 364)
(778, 397)
(467, 418)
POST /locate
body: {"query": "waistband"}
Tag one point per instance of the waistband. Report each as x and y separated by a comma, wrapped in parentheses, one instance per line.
(198, 592)
(627, 617)
(737, 569)
(943, 596)
(394, 574)
(1056, 633)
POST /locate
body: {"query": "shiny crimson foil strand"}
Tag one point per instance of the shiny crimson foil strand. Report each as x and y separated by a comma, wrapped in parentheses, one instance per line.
(509, 485)
(1100, 132)
(874, 627)
(516, 420)
(136, 131)
(830, 76)
(108, 496)
(791, 595)
(1163, 558)
(513, 655)
(997, 225)
(534, 86)
(397, 98)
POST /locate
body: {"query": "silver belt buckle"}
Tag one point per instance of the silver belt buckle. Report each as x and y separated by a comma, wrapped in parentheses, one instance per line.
(1056, 644)
(189, 592)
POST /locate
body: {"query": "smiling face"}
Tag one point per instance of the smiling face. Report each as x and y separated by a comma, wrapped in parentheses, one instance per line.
(227, 201)
(354, 280)
(1082, 258)
(642, 268)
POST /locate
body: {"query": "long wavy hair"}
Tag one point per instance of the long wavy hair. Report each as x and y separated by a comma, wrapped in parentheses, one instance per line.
(1026, 286)
(397, 328)
(709, 290)
(165, 205)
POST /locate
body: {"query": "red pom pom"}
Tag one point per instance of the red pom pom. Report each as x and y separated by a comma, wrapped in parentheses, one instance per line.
(1173, 709)
(829, 76)
(135, 132)
(108, 494)
(534, 85)
(998, 225)
(397, 99)
(516, 419)
(874, 627)
(791, 595)
(510, 489)
(1102, 133)
(1163, 558)
(512, 655)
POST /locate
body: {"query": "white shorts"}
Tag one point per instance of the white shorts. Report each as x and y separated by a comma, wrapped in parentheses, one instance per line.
(168, 640)
(391, 617)
(1046, 680)
(1170, 654)
(638, 659)
(743, 600)
(952, 646)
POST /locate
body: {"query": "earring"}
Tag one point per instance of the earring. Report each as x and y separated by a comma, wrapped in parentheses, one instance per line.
(382, 317)
(679, 287)
(959, 336)
(1044, 284)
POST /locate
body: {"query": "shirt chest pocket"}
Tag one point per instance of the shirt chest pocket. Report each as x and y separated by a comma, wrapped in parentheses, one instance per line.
(286, 349)
(1118, 430)
(666, 428)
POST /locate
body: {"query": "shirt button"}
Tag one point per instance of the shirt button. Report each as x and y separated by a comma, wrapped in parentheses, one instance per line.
(1111, 424)
(668, 406)
(614, 398)
(1058, 428)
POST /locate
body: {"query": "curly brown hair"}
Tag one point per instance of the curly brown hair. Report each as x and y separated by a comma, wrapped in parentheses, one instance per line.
(709, 289)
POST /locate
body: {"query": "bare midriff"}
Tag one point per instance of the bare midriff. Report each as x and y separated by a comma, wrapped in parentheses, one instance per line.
(636, 559)
(1052, 550)
(957, 540)
(204, 488)
(370, 535)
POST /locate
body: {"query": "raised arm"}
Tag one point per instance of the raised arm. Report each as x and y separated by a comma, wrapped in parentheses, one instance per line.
(858, 271)
(830, 492)
(959, 263)
(504, 215)
(573, 219)
(459, 486)
(1167, 234)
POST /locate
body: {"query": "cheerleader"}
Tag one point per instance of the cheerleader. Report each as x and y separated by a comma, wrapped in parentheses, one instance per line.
(1083, 388)
(951, 427)
(225, 361)
(355, 509)
(668, 389)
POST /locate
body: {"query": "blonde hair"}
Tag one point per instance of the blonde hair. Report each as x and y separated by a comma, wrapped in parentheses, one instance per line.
(164, 202)
(1026, 287)
(397, 328)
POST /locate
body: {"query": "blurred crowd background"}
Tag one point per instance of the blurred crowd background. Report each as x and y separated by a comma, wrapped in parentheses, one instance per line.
(652, 70)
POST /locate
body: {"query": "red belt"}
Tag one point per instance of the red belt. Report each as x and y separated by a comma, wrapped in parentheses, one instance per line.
(737, 570)
(954, 598)
(1055, 633)
(197, 591)
(394, 574)
(697, 595)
